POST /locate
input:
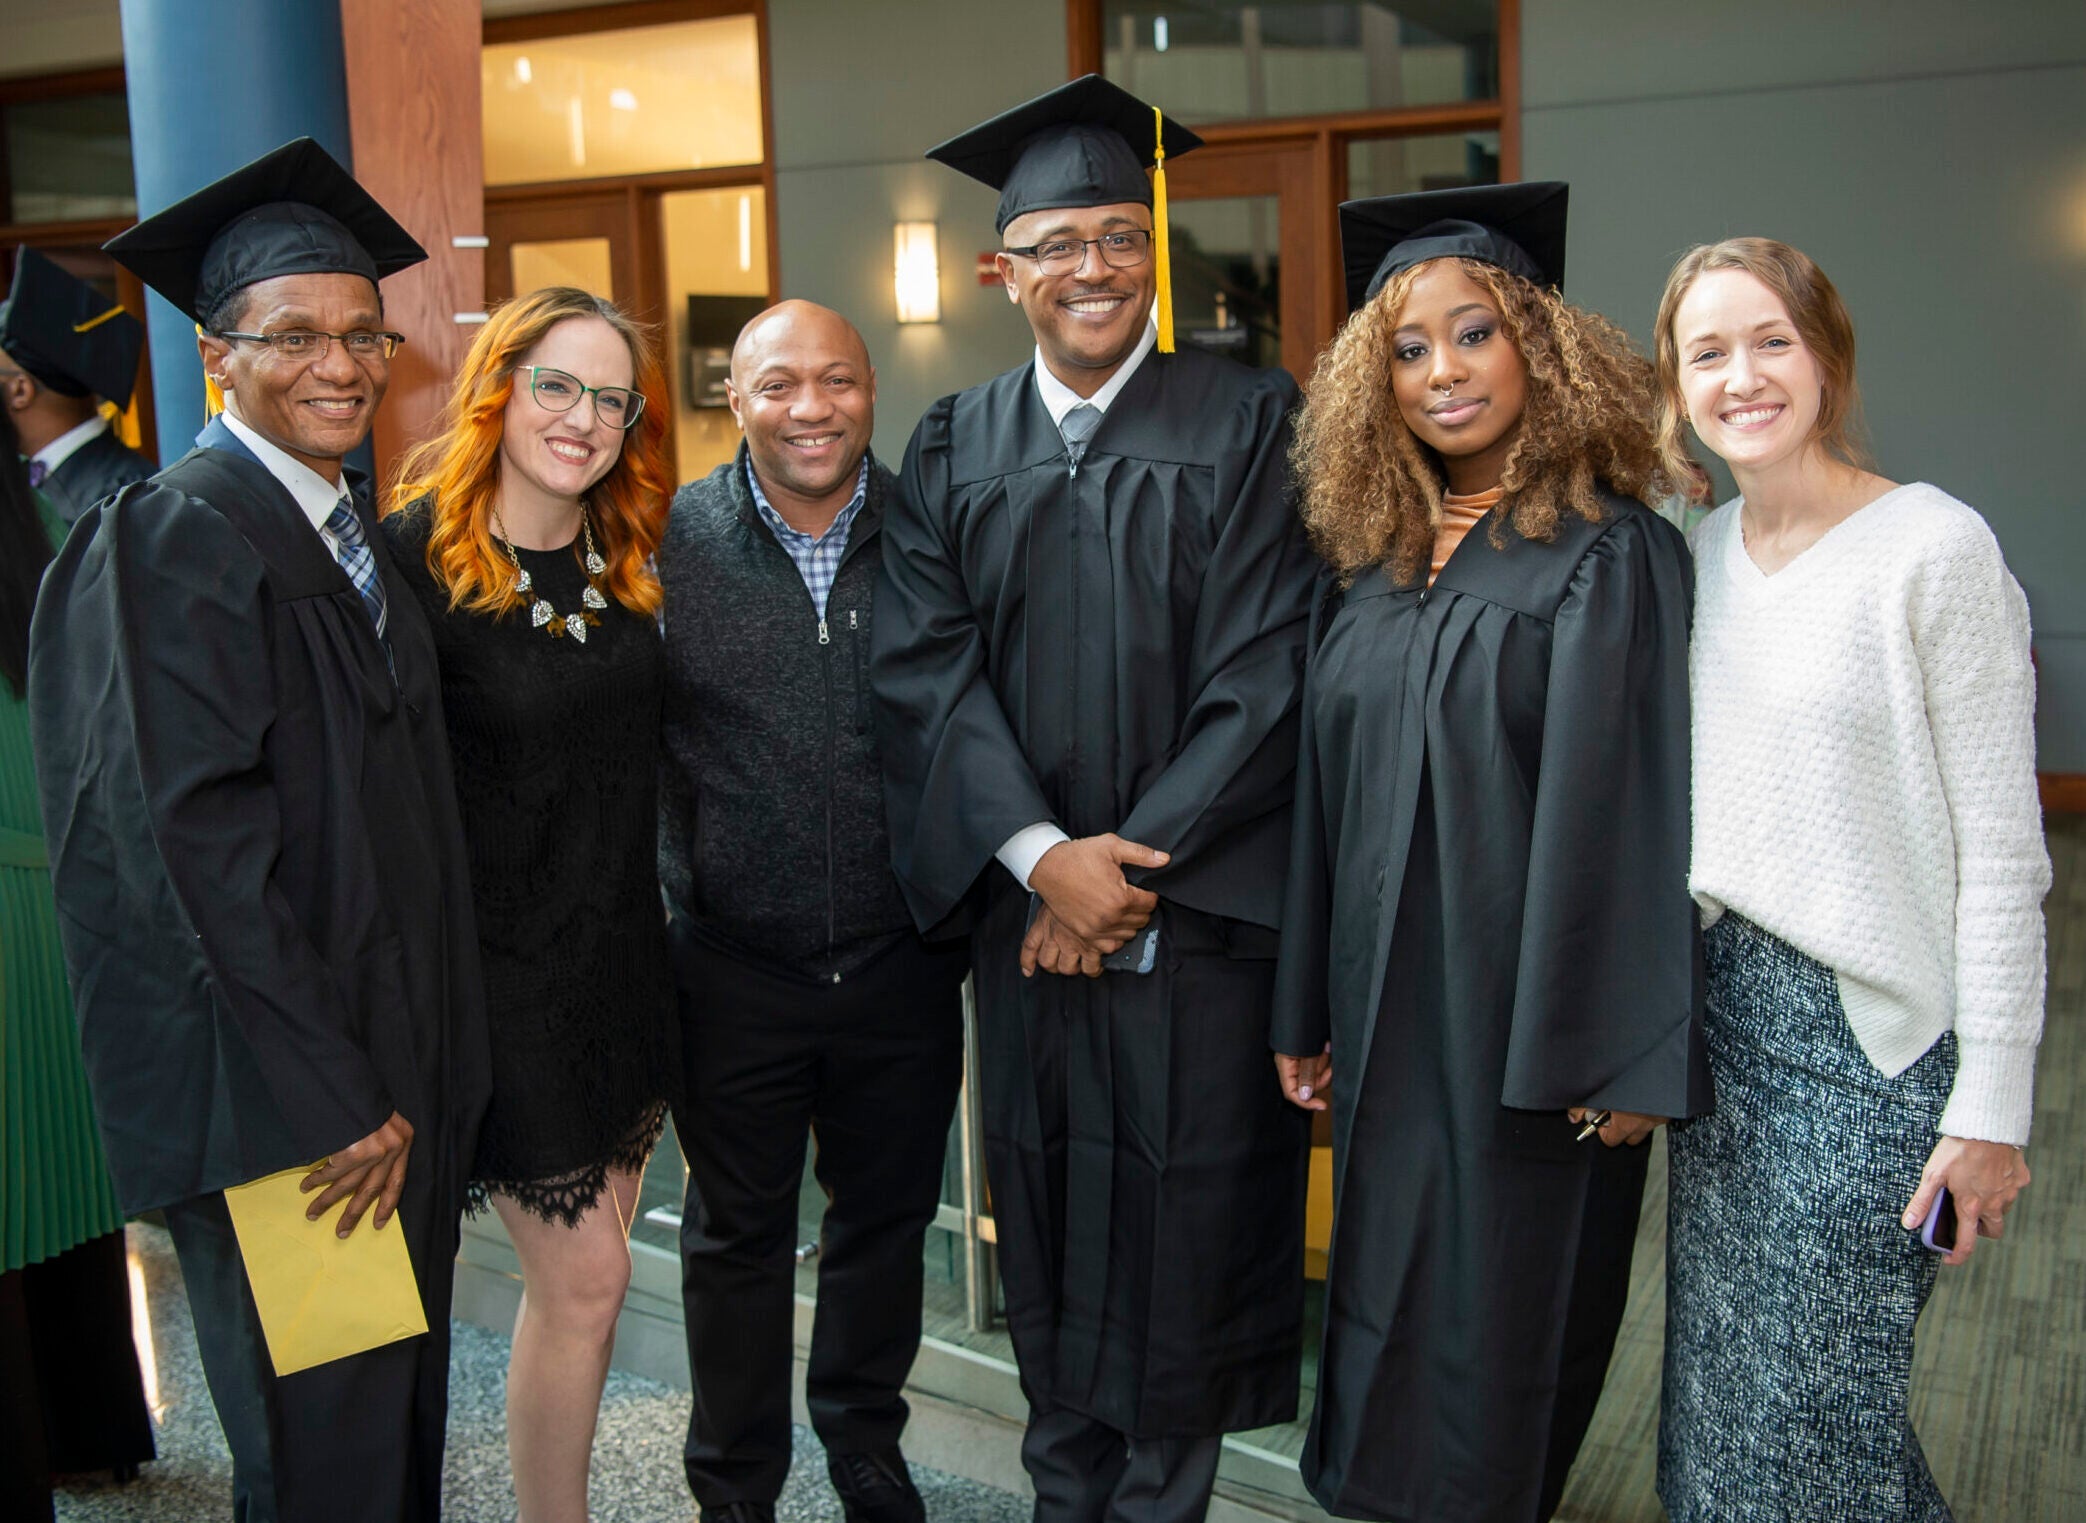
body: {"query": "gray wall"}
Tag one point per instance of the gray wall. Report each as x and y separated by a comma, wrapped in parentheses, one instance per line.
(1932, 157)
(860, 93)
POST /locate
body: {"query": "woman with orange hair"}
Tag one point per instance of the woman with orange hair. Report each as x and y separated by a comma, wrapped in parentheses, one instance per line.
(526, 527)
(1488, 949)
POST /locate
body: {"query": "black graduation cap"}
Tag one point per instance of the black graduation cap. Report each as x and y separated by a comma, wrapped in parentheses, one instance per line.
(1087, 143)
(68, 335)
(291, 212)
(1082, 144)
(1519, 227)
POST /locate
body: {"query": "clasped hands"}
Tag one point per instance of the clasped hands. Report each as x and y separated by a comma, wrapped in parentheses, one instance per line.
(1089, 908)
(368, 1173)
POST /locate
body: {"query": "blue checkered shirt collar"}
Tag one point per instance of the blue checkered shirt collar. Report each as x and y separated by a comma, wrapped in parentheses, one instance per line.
(818, 560)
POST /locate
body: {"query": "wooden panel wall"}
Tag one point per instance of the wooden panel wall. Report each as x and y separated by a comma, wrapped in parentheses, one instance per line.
(413, 110)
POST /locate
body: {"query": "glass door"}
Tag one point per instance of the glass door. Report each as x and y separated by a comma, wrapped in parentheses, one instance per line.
(1246, 255)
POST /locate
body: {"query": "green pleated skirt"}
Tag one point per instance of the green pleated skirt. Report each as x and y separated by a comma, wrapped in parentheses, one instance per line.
(54, 1185)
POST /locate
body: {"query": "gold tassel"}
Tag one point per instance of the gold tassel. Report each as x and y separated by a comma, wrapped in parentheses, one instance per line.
(213, 399)
(123, 422)
(1161, 252)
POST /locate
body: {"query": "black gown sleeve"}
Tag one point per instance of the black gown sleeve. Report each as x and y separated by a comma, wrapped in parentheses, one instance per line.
(957, 784)
(1608, 1004)
(188, 597)
(1301, 1022)
(1220, 807)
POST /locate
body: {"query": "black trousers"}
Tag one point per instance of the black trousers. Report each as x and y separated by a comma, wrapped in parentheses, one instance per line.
(1086, 1472)
(358, 1440)
(869, 1067)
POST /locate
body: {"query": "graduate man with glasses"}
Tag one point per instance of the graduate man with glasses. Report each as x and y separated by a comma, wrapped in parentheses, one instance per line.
(254, 840)
(1087, 660)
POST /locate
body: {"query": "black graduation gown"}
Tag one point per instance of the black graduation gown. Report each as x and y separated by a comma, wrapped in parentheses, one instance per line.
(1119, 649)
(101, 467)
(260, 873)
(1488, 916)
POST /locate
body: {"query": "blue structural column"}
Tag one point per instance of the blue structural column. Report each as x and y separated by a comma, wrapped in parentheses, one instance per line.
(214, 84)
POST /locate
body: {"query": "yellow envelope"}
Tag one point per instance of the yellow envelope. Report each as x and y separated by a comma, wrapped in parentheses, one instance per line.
(321, 1297)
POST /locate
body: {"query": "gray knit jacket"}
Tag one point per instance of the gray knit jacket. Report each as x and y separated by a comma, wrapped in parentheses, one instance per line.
(772, 843)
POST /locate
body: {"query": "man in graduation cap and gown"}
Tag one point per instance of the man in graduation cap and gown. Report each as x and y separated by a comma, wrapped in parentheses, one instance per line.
(1488, 918)
(1088, 652)
(64, 348)
(254, 839)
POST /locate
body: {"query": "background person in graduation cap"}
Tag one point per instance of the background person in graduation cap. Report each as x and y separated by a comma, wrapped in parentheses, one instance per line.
(1087, 660)
(1488, 916)
(253, 834)
(64, 347)
(72, 1397)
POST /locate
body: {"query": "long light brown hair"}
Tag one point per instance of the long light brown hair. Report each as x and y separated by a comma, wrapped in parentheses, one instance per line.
(458, 470)
(1372, 492)
(1815, 311)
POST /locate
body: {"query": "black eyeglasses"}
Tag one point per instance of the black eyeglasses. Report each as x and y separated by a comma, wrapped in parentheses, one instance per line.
(556, 391)
(1124, 250)
(304, 345)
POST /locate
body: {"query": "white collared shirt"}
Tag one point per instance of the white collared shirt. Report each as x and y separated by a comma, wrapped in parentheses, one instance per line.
(1059, 399)
(314, 494)
(67, 444)
(1024, 849)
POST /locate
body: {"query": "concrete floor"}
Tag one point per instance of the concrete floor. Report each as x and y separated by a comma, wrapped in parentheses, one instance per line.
(637, 1452)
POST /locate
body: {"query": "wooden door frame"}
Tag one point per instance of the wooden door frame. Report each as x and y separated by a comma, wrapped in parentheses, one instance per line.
(621, 17)
(1247, 168)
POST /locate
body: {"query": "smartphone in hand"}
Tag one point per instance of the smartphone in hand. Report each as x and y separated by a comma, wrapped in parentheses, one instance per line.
(1939, 1231)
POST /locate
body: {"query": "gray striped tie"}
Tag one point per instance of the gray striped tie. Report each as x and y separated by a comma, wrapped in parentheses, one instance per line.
(1078, 427)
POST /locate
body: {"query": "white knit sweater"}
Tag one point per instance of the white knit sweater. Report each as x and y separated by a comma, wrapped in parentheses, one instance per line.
(1864, 787)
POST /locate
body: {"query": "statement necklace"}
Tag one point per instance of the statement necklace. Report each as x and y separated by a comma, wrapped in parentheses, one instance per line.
(541, 614)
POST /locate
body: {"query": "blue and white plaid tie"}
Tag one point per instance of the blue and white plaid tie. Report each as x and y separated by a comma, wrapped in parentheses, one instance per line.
(351, 549)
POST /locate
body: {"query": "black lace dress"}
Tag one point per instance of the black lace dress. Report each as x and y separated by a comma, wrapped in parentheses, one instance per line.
(556, 750)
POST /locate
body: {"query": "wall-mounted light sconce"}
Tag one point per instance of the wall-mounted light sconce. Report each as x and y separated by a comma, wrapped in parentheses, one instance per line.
(918, 278)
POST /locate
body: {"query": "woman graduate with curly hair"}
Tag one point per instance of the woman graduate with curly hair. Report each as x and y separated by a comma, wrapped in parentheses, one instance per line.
(526, 528)
(1488, 933)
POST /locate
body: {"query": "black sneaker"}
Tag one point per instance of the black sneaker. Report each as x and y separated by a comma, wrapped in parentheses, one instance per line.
(875, 1487)
(740, 1512)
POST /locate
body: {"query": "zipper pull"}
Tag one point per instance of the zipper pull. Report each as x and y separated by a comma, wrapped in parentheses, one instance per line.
(852, 618)
(824, 638)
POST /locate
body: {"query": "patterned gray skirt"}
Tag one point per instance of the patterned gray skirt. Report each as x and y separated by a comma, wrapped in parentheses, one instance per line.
(1791, 1287)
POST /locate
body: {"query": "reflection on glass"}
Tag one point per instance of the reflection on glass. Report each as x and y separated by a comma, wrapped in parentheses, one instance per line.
(1396, 166)
(635, 101)
(1218, 60)
(716, 246)
(68, 159)
(581, 262)
(1227, 277)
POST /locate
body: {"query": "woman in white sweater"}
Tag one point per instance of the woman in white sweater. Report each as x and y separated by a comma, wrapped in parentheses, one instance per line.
(1869, 860)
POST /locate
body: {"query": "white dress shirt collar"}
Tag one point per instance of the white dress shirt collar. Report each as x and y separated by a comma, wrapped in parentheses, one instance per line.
(67, 444)
(314, 493)
(1059, 399)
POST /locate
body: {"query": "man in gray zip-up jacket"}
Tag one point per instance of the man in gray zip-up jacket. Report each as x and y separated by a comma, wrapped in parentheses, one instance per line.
(808, 1002)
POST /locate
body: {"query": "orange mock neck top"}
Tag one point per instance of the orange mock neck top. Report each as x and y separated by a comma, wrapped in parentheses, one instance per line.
(1459, 515)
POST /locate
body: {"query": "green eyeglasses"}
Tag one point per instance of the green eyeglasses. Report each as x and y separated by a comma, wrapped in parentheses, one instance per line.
(556, 391)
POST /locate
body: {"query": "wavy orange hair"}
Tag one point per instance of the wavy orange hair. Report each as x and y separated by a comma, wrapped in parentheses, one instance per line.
(457, 472)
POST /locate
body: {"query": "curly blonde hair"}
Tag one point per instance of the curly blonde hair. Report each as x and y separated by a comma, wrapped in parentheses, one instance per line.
(1371, 491)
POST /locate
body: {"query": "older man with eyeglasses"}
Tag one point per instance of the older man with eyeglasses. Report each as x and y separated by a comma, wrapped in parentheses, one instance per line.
(254, 841)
